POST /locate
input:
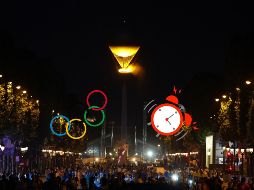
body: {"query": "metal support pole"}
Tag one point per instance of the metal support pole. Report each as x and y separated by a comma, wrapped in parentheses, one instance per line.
(124, 130)
(135, 141)
(251, 164)
(144, 131)
(242, 163)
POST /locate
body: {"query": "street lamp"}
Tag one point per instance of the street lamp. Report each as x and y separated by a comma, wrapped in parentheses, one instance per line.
(217, 99)
(149, 153)
(23, 150)
(248, 82)
(124, 56)
(2, 147)
(224, 96)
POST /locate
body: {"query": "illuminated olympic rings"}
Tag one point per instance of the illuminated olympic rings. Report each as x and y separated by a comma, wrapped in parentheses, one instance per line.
(68, 128)
(51, 125)
(94, 125)
(95, 108)
(68, 124)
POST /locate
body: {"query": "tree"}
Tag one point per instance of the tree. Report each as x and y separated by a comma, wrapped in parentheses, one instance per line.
(19, 113)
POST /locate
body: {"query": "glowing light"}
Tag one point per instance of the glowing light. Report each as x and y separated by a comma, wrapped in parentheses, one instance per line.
(1, 76)
(249, 150)
(53, 111)
(248, 82)
(175, 177)
(37, 101)
(150, 153)
(18, 87)
(217, 99)
(238, 89)
(96, 159)
(24, 149)
(224, 96)
(191, 153)
(134, 159)
(2, 148)
(125, 70)
(24, 92)
(136, 154)
(124, 54)
(159, 145)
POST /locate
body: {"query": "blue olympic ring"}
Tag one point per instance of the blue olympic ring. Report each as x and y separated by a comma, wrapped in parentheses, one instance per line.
(51, 125)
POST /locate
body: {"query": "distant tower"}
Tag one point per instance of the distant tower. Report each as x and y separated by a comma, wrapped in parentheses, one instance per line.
(124, 56)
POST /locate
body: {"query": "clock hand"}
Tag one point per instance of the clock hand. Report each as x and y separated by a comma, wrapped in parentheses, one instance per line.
(171, 115)
(168, 121)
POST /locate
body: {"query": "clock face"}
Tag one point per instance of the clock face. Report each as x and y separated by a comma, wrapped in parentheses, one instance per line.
(166, 119)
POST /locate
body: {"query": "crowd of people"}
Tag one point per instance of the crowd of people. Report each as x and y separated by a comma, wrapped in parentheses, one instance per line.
(107, 177)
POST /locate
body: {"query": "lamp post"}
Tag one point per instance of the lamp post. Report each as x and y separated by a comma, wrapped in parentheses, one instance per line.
(2, 147)
(242, 153)
(124, 56)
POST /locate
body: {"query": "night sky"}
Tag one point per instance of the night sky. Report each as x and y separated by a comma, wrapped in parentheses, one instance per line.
(186, 40)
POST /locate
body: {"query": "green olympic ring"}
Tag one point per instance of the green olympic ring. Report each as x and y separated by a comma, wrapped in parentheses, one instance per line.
(98, 124)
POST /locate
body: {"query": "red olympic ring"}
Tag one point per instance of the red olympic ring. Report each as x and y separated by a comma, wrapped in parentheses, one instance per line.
(97, 91)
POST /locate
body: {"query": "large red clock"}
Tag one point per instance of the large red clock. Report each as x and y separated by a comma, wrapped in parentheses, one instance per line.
(167, 119)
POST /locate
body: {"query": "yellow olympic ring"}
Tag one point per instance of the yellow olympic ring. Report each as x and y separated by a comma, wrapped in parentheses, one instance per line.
(67, 131)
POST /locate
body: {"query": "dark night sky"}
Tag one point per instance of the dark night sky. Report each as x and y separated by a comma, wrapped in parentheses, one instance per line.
(187, 39)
